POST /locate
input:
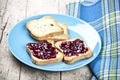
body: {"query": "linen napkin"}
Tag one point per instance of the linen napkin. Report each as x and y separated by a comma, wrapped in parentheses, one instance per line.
(104, 16)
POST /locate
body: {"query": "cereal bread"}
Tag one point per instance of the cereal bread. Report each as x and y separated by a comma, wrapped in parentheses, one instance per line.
(73, 58)
(39, 61)
(43, 27)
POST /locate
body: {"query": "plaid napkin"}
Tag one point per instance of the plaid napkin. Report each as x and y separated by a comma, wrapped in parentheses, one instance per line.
(104, 16)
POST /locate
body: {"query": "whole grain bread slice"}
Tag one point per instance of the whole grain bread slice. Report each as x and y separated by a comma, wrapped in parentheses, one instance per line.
(44, 27)
(72, 59)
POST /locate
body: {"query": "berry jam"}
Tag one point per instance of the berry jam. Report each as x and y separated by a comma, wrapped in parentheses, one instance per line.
(72, 48)
(42, 49)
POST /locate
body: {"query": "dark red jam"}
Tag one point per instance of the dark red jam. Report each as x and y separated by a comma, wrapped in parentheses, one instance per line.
(72, 48)
(42, 49)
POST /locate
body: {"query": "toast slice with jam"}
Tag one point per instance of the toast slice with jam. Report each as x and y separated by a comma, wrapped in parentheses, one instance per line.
(73, 50)
(44, 52)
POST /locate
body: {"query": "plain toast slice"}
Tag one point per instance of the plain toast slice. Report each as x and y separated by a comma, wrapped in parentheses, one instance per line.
(43, 27)
(71, 59)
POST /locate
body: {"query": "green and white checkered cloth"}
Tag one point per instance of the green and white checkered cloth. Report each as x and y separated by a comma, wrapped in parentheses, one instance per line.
(104, 16)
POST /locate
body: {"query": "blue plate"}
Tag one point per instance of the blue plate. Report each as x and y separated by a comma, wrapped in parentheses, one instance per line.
(19, 37)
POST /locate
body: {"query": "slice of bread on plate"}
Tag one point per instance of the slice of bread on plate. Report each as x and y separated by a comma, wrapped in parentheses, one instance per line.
(63, 36)
(43, 27)
(44, 52)
(73, 50)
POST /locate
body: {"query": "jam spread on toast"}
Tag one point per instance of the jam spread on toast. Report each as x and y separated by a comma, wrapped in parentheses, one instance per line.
(42, 49)
(72, 48)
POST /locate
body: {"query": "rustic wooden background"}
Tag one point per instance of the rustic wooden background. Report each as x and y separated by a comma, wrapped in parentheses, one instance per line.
(11, 12)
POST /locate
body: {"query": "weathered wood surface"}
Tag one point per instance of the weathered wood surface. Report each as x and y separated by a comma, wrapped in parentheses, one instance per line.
(11, 12)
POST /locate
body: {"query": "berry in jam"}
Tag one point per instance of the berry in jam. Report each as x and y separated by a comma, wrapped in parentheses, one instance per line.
(71, 48)
(42, 49)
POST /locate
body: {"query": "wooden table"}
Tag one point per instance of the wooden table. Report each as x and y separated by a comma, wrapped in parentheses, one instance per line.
(11, 12)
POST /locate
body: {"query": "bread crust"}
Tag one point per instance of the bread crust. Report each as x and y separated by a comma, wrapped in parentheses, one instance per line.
(72, 59)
